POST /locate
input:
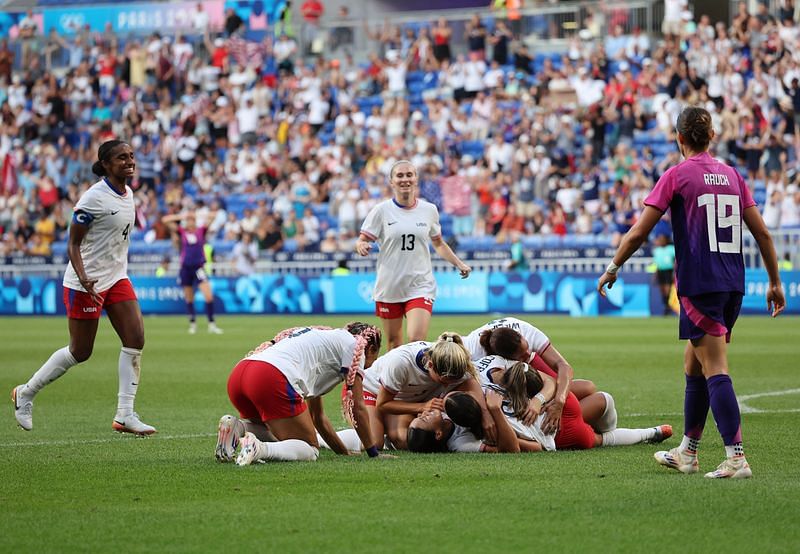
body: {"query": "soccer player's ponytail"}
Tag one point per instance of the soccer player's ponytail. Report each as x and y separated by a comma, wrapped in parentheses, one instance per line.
(521, 382)
(450, 358)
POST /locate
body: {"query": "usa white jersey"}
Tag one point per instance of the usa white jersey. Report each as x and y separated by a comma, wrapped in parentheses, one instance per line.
(463, 440)
(537, 341)
(531, 432)
(404, 261)
(312, 360)
(110, 217)
(402, 372)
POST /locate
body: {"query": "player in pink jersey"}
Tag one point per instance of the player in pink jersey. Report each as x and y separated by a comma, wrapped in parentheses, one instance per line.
(708, 201)
(405, 227)
(96, 279)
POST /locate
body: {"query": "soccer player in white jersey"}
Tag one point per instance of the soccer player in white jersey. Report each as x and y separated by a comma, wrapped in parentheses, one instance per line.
(518, 383)
(516, 339)
(404, 227)
(278, 391)
(413, 378)
(96, 279)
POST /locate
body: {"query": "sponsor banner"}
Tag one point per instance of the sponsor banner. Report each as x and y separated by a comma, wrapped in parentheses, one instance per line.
(634, 294)
(164, 17)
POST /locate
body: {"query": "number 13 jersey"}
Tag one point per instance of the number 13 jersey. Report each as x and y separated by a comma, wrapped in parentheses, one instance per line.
(706, 199)
(404, 261)
(104, 250)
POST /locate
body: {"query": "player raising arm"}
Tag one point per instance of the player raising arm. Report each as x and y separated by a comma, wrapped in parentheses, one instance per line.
(96, 279)
(405, 227)
(708, 201)
(278, 391)
(193, 261)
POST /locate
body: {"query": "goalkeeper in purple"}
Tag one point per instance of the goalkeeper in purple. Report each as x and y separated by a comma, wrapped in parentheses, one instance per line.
(708, 201)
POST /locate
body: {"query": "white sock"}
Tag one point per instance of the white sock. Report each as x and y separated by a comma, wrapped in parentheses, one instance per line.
(129, 370)
(290, 450)
(608, 421)
(349, 438)
(55, 366)
(626, 437)
(689, 446)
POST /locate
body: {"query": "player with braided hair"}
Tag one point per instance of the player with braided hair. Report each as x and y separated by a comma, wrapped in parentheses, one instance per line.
(278, 389)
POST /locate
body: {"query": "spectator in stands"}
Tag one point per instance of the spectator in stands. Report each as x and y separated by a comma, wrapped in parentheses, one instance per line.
(442, 34)
(232, 22)
(312, 11)
(28, 30)
(476, 34)
(244, 255)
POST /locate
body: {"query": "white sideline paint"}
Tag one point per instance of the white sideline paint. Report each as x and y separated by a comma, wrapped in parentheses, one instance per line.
(745, 409)
(75, 442)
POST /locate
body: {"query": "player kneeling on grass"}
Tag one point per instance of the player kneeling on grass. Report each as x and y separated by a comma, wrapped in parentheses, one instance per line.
(413, 378)
(276, 382)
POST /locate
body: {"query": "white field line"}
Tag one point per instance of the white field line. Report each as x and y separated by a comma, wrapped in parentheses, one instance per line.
(76, 442)
(744, 408)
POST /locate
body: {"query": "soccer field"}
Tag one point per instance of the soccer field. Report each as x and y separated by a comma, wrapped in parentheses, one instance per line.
(73, 485)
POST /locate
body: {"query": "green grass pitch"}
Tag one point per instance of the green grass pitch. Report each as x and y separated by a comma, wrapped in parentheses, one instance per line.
(72, 485)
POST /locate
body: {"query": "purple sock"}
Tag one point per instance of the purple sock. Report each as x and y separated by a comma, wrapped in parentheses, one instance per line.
(725, 409)
(190, 311)
(210, 311)
(695, 407)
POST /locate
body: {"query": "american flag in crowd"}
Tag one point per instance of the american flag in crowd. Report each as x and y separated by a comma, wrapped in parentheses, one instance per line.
(247, 53)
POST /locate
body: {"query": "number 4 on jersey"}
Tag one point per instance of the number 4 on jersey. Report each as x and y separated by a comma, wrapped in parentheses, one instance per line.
(717, 217)
(126, 231)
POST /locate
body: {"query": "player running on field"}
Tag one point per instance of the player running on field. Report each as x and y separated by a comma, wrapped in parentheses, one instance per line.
(405, 227)
(96, 279)
(708, 201)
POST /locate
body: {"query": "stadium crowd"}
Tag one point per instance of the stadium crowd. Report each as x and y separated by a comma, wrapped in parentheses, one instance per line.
(293, 149)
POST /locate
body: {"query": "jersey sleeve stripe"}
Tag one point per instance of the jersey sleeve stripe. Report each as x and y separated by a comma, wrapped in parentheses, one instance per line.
(368, 235)
(544, 349)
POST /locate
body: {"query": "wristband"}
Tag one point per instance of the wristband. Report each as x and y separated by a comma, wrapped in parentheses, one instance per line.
(540, 397)
(612, 268)
(372, 451)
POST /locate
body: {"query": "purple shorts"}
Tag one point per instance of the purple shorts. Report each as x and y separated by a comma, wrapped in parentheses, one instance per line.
(191, 275)
(709, 314)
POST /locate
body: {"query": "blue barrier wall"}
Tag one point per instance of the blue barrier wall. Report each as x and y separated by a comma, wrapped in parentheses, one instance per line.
(517, 292)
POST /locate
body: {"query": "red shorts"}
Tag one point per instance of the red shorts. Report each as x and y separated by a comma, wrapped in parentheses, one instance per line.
(574, 433)
(369, 398)
(394, 310)
(80, 305)
(261, 392)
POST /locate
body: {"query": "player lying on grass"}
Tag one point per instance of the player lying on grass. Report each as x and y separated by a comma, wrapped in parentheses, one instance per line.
(276, 382)
(413, 378)
(520, 383)
(515, 339)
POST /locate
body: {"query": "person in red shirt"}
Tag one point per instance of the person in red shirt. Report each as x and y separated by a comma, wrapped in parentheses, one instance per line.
(312, 11)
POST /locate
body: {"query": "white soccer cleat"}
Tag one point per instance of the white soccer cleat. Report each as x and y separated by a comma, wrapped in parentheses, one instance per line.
(23, 408)
(731, 468)
(214, 330)
(228, 433)
(132, 424)
(676, 459)
(251, 449)
(192, 328)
